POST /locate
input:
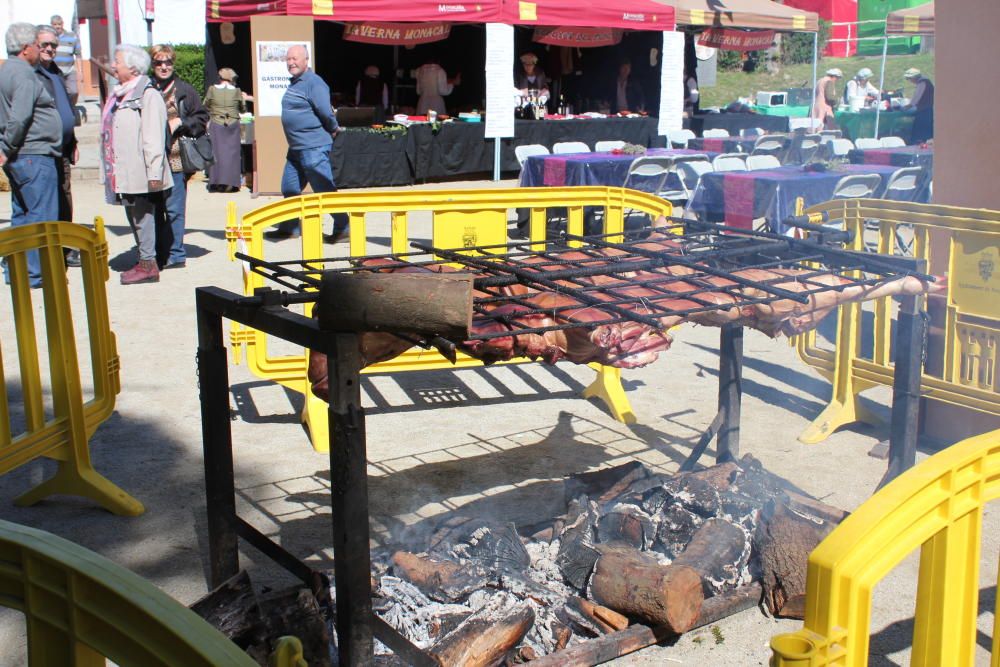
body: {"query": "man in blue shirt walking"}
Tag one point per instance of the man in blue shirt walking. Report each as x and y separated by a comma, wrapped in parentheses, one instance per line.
(309, 124)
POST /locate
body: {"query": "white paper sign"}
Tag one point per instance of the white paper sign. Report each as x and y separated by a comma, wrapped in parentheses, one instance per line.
(671, 83)
(499, 80)
(272, 75)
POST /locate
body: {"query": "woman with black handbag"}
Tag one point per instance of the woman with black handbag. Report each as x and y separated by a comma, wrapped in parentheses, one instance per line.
(186, 117)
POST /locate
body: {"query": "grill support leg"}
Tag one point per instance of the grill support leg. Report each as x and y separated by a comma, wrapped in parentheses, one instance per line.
(730, 392)
(349, 489)
(908, 361)
(217, 439)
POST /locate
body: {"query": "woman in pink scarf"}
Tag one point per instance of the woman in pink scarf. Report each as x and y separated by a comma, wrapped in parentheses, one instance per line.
(134, 166)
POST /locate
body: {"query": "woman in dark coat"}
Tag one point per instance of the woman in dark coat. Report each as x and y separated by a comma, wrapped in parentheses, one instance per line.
(186, 117)
(225, 102)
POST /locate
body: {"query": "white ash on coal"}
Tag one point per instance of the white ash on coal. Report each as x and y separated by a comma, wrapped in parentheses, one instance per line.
(477, 592)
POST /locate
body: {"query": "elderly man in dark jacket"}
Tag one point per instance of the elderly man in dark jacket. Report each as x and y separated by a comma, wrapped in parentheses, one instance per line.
(30, 138)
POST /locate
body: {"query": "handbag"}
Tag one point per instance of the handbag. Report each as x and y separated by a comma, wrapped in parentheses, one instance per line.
(196, 153)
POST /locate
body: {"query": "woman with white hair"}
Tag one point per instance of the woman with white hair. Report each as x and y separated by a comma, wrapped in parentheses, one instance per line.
(859, 91)
(825, 98)
(134, 167)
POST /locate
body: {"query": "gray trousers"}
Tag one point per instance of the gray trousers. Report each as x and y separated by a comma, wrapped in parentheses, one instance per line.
(140, 210)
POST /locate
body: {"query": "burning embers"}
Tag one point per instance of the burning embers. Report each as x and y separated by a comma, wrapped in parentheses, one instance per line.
(633, 546)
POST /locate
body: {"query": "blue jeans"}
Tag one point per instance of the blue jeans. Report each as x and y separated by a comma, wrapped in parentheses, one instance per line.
(170, 223)
(34, 197)
(309, 166)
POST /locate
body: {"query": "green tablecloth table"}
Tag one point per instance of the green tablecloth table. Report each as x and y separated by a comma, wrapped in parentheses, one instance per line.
(789, 111)
(857, 124)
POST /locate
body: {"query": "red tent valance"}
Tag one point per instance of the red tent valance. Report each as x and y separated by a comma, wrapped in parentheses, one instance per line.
(415, 11)
(234, 11)
(622, 14)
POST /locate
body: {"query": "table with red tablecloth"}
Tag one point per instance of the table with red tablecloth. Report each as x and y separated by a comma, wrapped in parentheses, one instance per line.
(902, 156)
(740, 197)
(722, 144)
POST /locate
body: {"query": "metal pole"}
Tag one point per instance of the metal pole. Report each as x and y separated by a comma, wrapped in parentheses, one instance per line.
(730, 392)
(496, 159)
(149, 32)
(881, 82)
(815, 66)
(109, 9)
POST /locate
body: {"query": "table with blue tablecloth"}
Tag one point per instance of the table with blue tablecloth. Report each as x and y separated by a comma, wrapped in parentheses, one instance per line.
(740, 197)
(902, 156)
(591, 168)
(722, 144)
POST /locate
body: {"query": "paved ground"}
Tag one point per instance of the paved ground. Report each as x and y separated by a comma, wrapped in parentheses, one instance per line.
(495, 446)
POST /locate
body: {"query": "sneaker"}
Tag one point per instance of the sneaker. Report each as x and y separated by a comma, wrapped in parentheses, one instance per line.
(72, 257)
(280, 234)
(175, 265)
(143, 272)
(343, 236)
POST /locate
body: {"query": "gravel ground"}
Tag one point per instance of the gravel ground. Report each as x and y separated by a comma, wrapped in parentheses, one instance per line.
(496, 446)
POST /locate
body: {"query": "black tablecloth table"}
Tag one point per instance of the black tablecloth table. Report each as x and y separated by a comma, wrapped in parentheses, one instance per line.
(734, 122)
(739, 197)
(363, 158)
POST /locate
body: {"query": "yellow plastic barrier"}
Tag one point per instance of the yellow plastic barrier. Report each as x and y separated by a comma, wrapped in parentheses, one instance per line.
(936, 507)
(461, 218)
(965, 371)
(65, 436)
(81, 609)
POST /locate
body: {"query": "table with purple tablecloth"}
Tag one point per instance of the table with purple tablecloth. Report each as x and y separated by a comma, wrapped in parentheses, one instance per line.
(903, 156)
(740, 197)
(591, 168)
(722, 144)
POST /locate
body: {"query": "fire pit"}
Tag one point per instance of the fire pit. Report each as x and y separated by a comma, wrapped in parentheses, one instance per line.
(707, 274)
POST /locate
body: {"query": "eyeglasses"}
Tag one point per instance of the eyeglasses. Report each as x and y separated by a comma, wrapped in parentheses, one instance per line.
(48, 45)
(163, 63)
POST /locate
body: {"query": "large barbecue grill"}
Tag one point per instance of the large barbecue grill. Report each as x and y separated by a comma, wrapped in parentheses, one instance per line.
(598, 275)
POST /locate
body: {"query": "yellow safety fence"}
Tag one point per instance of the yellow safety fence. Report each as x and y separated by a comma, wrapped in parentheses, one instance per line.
(82, 609)
(964, 371)
(63, 436)
(936, 507)
(460, 218)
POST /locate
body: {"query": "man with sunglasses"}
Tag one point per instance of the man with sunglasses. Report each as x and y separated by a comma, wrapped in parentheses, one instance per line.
(55, 84)
(30, 137)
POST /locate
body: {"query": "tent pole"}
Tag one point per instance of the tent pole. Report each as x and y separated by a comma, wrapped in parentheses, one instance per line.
(881, 81)
(496, 159)
(815, 66)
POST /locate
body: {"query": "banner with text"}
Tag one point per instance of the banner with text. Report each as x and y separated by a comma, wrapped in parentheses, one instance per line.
(737, 40)
(671, 83)
(272, 75)
(396, 34)
(578, 37)
(499, 80)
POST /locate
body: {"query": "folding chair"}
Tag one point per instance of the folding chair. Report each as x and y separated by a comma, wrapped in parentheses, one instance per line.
(752, 132)
(755, 162)
(864, 143)
(608, 146)
(565, 147)
(840, 147)
(857, 186)
(690, 173)
(892, 142)
(679, 138)
(730, 162)
(809, 146)
(717, 133)
(522, 153)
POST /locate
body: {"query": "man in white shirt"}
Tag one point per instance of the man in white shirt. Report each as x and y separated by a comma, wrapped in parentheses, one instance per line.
(860, 88)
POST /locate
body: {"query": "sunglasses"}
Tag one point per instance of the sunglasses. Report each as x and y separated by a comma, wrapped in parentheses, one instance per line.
(48, 45)
(163, 63)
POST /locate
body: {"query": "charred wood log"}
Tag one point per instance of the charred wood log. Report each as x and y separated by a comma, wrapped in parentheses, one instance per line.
(635, 584)
(605, 484)
(496, 547)
(444, 581)
(485, 638)
(577, 554)
(637, 637)
(233, 610)
(627, 523)
(718, 552)
(295, 611)
(783, 541)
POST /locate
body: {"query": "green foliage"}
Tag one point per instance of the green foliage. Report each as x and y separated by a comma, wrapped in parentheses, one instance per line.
(730, 61)
(717, 633)
(797, 47)
(189, 64)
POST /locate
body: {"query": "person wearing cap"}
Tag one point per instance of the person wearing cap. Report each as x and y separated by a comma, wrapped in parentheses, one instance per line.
(921, 105)
(825, 97)
(531, 77)
(225, 102)
(860, 87)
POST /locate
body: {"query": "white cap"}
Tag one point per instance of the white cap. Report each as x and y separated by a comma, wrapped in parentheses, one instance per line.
(835, 71)
(864, 73)
(911, 73)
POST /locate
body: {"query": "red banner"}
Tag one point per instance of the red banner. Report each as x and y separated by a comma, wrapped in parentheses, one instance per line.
(402, 34)
(737, 40)
(578, 37)
(222, 11)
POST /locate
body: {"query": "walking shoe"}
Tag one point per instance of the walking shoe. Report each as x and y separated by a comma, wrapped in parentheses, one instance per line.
(72, 257)
(342, 236)
(174, 265)
(280, 234)
(143, 272)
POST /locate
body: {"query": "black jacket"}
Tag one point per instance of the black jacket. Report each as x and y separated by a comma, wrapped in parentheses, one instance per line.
(194, 115)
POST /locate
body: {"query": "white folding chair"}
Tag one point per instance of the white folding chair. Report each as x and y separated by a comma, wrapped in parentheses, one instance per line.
(755, 162)
(840, 147)
(679, 138)
(648, 173)
(829, 135)
(892, 142)
(810, 144)
(752, 132)
(717, 133)
(608, 146)
(857, 186)
(730, 162)
(803, 123)
(522, 153)
(905, 184)
(864, 143)
(690, 173)
(769, 145)
(564, 147)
